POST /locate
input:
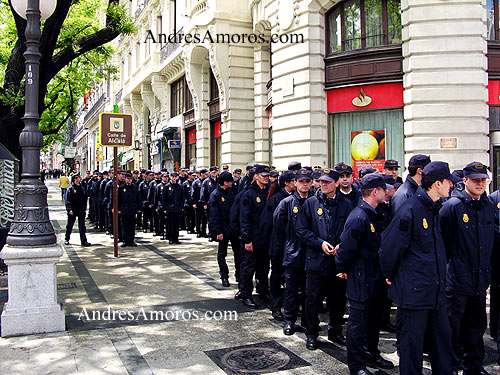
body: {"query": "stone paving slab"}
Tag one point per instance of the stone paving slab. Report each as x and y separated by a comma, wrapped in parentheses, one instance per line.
(163, 278)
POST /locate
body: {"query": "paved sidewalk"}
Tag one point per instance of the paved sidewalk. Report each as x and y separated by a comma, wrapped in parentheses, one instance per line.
(180, 282)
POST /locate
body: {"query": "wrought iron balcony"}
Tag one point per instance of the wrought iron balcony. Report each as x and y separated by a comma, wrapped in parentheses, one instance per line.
(95, 107)
(169, 48)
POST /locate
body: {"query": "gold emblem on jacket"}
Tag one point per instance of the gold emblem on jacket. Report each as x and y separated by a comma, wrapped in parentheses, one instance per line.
(257, 199)
(320, 211)
(295, 210)
(372, 228)
(424, 223)
(465, 218)
(222, 199)
(124, 190)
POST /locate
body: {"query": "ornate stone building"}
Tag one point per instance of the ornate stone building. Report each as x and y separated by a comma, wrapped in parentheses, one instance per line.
(414, 73)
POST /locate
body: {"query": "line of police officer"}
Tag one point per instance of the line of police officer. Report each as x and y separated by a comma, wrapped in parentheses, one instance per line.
(323, 236)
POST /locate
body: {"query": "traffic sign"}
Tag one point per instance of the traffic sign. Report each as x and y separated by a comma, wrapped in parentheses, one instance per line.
(174, 144)
(116, 129)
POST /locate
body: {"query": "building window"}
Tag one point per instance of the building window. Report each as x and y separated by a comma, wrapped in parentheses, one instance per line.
(177, 97)
(188, 98)
(492, 19)
(359, 24)
(214, 89)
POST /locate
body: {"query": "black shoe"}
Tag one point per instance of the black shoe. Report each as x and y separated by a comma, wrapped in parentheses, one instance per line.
(237, 278)
(289, 329)
(225, 283)
(170, 242)
(177, 242)
(264, 296)
(108, 233)
(336, 337)
(363, 371)
(481, 371)
(145, 230)
(134, 244)
(123, 245)
(380, 363)
(86, 244)
(311, 343)
(277, 315)
(249, 302)
(156, 234)
(198, 235)
(238, 295)
(66, 242)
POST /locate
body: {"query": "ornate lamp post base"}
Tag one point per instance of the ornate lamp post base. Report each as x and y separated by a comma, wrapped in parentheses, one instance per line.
(32, 306)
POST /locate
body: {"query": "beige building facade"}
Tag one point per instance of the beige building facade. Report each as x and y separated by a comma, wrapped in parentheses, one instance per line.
(420, 76)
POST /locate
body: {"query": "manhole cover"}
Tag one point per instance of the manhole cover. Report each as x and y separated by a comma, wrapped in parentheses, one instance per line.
(255, 360)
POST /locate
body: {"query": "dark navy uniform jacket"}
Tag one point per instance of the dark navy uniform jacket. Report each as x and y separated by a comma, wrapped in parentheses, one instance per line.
(384, 211)
(220, 203)
(157, 196)
(187, 193)
(322, 219)
(266, 221)
(152, 198)
(208, 185)
(252, 205)
(495, 256)
(76, 199)
(234, 215)
(93, 188)
(405, 192)
(196, 191)
(236, 185)
(128, 199)
(143, 193)
(412, 254)
(109, 189)
(285, 240)
(101, 197)
(243, 182)
(354, 196)
(172, 199)
(357, 255)
(468, 232)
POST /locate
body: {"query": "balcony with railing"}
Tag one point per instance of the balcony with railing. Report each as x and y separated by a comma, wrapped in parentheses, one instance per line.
(95, 107)
(169, 48)
(118, 96)
(140, 8)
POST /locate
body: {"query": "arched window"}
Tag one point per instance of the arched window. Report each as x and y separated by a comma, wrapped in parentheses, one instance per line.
(360, 24)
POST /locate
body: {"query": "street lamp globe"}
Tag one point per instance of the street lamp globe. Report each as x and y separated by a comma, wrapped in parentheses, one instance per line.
(47, 7)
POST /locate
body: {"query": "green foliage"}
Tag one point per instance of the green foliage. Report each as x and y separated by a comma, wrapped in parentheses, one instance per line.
(85, 18)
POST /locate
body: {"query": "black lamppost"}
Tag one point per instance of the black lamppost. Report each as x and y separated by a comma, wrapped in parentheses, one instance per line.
(31, 225)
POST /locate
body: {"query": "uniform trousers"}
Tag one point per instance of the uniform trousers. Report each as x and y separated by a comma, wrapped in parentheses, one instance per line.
(128, 228)
(173, 226)
(102, 217)
(190, 218)
(494, 303)
(254, 262)
(201, 220)
(467, 316)
(147, 218)
(363, 329)
(139, 220)
(156, 222)
(413, 324)
(334, 288)
(222, 253)
(275, 283)
(295, 285)
(81, 226)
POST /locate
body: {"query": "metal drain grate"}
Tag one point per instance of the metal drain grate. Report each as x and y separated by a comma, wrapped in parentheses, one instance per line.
(258, 358)
(67, 286)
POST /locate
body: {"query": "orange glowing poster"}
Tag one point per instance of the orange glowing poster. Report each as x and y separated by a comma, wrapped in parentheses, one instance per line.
(367, 148)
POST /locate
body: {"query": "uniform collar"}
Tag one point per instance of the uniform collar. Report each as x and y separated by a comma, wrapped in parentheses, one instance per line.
(412, 182)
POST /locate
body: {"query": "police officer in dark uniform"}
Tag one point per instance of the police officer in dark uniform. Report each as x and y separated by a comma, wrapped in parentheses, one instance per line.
(254, 254)
(153, 201)
(157, 204)
(137, 183)
(209, 185)
(147, 213)
(458, 186)
(391, 168)
(413, 181)
(93, 191)
(495, 274)
(199, 205)
(188, 203)
(320, 224)
(292, 248)
(357, 260)
(76, 205)
(108, 184)
(287, 186)
(413, 258)
(467, 228)
(246, 177)
(183, 175)
(172, 204)
(236, 181)
(119, 181)
(129, 204)
(346, 186)
(101, 202)
(220, 203)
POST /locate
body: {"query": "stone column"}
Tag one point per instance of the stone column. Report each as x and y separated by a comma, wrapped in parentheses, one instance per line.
(445, 78)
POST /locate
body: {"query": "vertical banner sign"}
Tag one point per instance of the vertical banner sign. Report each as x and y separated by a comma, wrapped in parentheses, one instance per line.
(367, 149)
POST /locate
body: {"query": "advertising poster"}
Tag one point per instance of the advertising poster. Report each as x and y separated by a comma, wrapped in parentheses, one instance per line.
(367, 148)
